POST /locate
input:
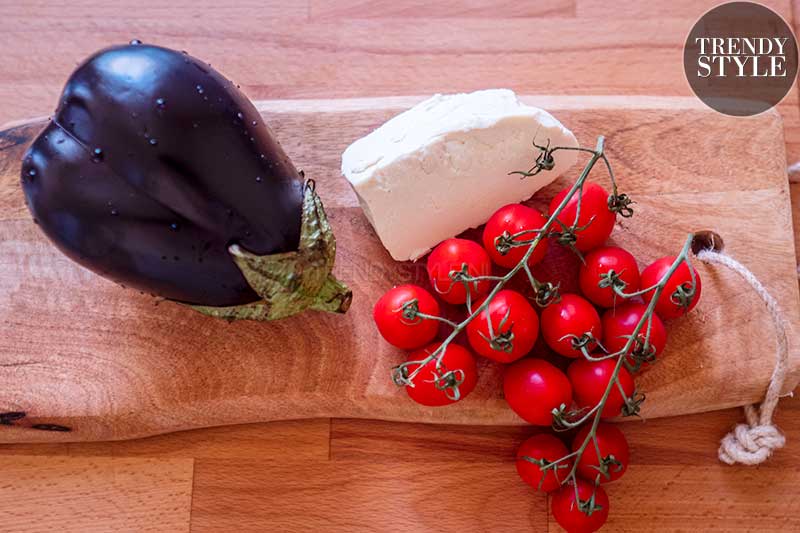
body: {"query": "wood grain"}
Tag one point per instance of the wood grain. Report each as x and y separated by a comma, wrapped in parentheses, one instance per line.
(449, 9)
(95, 494)
(374, 466)
(448, 496)
(113, 374)
(42, 41)
(301, 440)
(742, 502)
(634, 9)
(356, 48)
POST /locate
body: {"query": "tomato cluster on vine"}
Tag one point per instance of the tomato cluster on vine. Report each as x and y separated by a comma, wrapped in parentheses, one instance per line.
(604, 335)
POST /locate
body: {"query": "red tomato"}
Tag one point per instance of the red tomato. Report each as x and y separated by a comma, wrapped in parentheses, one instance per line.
(429, 385)
(546, 448)
(599, 262)
(666, 307)
(451, 255)
(590, 379)
(510, 220)
(533, 388)
(394, 323)
(594, 212)
(613, 451)
(573, 315)
(514, 324)
(568, 512)
(620, 322)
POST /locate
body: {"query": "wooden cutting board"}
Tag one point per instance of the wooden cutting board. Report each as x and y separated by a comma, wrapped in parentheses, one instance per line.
(83, 359)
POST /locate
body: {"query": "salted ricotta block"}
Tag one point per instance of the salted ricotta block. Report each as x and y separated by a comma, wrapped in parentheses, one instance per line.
(443, 166)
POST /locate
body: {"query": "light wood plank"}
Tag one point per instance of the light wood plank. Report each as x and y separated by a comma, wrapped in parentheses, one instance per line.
(589, 54)
(95, 494)
(636, 9)
(292, 440)
(674, 441)
(381, 441)
(372, 57)
(352, 496)
(714, 498)
(449, 9)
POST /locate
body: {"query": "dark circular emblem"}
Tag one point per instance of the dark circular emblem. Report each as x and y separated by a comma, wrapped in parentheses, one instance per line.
(740, 58)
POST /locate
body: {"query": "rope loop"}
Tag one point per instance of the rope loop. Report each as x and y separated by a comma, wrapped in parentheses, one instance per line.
(753, 442)
(750, 445)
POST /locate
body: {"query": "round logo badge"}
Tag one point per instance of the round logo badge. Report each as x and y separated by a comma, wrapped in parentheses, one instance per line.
(740, 58)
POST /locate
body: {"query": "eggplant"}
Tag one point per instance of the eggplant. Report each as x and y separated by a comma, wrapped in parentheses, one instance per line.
(157, 172)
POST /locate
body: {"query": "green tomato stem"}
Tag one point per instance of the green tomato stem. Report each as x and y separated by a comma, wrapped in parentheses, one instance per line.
(595, 413)
(502, 281)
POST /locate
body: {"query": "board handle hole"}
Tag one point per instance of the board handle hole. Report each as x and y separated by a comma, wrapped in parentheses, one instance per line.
(707, 240)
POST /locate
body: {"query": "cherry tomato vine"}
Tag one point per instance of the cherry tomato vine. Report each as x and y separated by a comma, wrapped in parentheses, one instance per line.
(669, 287)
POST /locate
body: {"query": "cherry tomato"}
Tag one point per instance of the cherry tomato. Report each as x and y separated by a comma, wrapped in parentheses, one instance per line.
(434, 388)
(614, 453)
(594, 212)
(597, 264)
(452, 255)
(590, 379)
(508, 221)
(514, 324)
(397, 326)
(572, 315)
(547, 448)
(568, 512)
(619, 323)
(666, 307)
(533, 388)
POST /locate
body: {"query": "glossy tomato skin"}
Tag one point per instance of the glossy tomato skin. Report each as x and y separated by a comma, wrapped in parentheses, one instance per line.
(567, 513)
(594, 203)
(398, 330)
(619, 323)
(547, 447)
(456, 357)
(522, 322)
(514, 218)
(590, 379)
(533, 388)
(573, 315)
(451, 255)
(665, 307)
(612, 442)
(599, 262)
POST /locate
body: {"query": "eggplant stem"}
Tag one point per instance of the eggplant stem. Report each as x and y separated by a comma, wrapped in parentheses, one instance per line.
(333, 297)
(291, 282)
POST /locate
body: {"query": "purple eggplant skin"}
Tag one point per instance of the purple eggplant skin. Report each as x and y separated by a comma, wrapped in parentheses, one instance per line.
(153, 164)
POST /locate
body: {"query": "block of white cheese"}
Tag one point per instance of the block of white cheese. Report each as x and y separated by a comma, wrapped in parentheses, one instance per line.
(443, 166)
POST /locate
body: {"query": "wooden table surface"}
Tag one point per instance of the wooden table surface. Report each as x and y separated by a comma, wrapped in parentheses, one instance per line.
(348, 475)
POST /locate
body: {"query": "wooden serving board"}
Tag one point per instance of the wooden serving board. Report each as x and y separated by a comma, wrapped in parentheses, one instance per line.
(79, 353)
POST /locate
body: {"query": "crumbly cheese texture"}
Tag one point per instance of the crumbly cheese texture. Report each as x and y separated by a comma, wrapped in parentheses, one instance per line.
(443, 166)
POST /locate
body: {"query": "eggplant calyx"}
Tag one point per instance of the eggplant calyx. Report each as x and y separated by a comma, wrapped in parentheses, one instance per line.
(291, 282)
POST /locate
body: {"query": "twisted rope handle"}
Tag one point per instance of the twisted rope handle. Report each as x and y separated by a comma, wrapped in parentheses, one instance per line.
(752, 443)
